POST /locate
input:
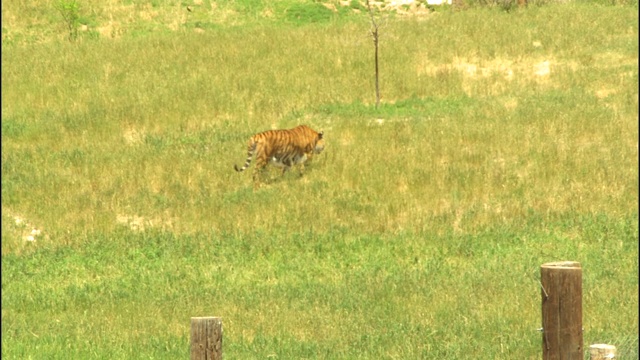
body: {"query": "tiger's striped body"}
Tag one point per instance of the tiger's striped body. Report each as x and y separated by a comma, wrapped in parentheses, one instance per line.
(283, 148)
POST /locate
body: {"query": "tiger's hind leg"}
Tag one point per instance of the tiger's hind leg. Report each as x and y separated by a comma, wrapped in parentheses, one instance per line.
(259, 170)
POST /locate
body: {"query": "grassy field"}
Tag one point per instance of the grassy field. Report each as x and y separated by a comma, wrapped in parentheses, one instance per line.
(504, 140)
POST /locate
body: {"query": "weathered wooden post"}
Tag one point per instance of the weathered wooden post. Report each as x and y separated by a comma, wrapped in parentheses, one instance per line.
(206, 338)
(562, 311)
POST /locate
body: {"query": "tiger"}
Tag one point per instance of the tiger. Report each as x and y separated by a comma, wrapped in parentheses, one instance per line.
(283, 149)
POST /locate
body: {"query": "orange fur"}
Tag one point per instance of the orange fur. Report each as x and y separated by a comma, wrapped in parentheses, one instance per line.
(283, 148)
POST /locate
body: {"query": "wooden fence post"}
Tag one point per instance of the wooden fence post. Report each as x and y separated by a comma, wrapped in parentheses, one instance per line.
(562, 311)
(206, 338)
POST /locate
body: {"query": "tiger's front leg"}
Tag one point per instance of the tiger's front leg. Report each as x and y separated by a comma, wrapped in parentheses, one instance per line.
(300, 163)
(300, 167)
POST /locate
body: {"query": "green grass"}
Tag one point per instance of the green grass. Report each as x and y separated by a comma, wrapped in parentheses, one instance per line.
(419, 232)
(328, 294)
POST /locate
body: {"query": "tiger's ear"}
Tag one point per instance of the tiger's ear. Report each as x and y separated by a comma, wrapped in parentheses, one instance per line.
(320, 134)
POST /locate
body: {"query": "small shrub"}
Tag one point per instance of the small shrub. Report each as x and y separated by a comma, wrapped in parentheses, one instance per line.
(70, 11)
(308, 13)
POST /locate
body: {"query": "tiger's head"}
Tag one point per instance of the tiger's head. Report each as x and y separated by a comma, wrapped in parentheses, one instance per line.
(319, 143)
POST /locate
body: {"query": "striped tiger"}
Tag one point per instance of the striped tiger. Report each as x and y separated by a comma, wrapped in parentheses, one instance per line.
(283, 149)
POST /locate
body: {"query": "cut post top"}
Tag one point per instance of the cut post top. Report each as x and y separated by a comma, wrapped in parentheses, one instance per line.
(562, 265)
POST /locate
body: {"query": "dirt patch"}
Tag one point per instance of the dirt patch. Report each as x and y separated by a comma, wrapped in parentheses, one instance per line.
(538, 70)
(475, 68)
(140, 224)
(134, 136)
(25, 228)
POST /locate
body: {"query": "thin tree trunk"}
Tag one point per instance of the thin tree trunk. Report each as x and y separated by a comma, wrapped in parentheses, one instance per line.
(374, 34)
(375, 42)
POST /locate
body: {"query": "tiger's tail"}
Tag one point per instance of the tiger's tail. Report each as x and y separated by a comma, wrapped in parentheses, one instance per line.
(252, 148)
